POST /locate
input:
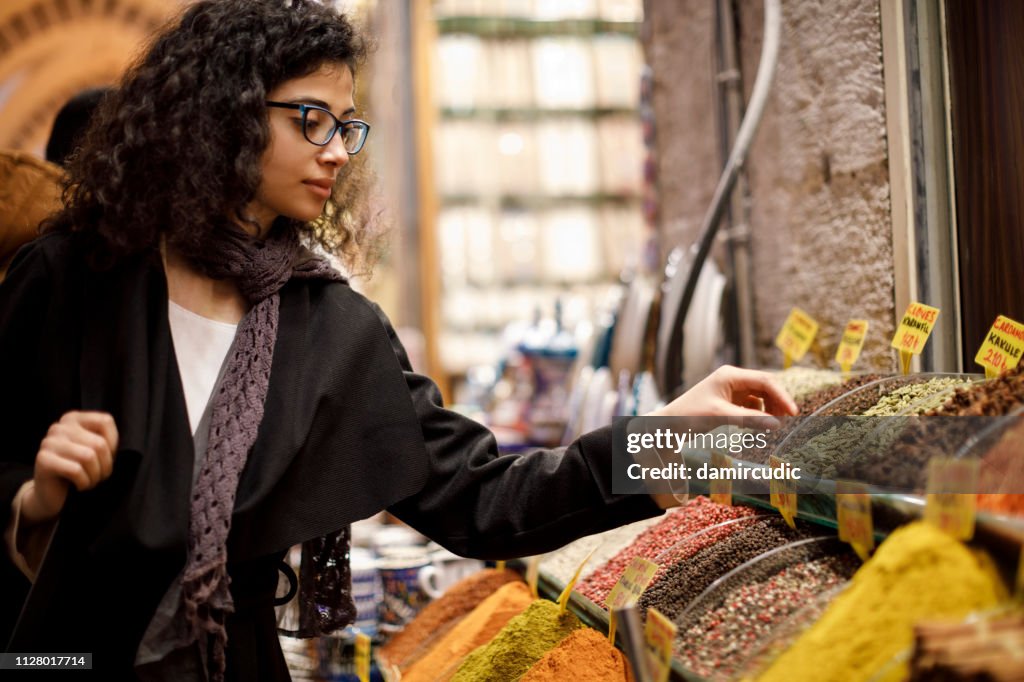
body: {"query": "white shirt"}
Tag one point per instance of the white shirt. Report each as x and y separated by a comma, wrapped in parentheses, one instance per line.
(200, 346)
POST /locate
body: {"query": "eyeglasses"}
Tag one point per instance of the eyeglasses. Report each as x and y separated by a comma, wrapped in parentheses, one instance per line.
(319, 126)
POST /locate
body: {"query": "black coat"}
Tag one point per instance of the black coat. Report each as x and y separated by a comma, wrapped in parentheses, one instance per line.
(348, 430)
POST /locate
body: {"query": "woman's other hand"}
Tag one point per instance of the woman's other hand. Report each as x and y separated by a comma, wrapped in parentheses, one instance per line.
(732, 392)
(78, 450)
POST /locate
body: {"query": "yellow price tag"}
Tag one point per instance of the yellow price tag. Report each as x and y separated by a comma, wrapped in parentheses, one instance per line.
(851, 344)
(659, 633)
(1003, 346)
(853, 512)
(363, 657)
(533, 574)
(721, 487)
(796, 336)
(783, 493)
(631, 585)
(563, 599)
(951, 501)
(913, 332)
(500, 565)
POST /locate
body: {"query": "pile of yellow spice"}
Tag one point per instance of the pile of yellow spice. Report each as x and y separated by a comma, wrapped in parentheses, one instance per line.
(918, 573)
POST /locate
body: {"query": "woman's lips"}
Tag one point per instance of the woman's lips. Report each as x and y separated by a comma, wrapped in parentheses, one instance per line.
(321, 190)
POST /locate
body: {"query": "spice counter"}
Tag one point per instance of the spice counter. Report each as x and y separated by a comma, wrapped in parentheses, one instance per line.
(754, 598)
(895, 515)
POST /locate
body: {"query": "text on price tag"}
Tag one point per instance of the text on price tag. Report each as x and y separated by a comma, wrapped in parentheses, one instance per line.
(631, 585)
(915, 327)
(797, 334)
(1003, 346)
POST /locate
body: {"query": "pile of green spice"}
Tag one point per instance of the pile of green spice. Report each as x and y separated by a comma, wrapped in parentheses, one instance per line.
(520, 644)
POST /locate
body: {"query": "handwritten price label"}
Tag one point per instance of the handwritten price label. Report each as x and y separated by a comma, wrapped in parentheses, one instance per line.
(631, 585)
(915, 328)
(853, 511)
(952, 495)
(797, 334)
(1003, 346)
(851, 343)
(659, 633)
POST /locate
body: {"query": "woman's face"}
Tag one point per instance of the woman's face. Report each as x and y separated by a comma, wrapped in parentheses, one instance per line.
(298, 175)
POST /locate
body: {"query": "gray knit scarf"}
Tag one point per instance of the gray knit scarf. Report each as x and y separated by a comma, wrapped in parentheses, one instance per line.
(260, 268)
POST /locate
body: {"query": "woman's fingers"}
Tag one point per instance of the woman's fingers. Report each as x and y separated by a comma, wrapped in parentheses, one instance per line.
(747, 383)
(79, 448)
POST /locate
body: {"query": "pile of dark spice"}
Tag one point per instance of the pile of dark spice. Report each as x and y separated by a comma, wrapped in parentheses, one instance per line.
(687, 579)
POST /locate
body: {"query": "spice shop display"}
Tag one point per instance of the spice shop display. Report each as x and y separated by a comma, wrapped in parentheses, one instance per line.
(918, 573)
(684, 581)
(807, 405)
(725, 624)
(478, 628)
(695, 515)
(441, 615)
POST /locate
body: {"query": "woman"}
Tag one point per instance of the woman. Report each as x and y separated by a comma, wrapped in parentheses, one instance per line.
(212, 393)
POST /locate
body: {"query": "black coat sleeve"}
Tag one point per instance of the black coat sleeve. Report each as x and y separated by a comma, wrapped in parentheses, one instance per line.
(26, 330)
(481, 504)
(24, 299)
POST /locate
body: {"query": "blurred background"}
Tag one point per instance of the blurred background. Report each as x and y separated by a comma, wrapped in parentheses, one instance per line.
(549, 167)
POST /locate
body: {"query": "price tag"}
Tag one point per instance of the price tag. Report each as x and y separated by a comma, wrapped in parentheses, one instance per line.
(721, 488)
(631, 585)
(796, 336)
(853, 511)
(913, 332)
(363, 657)
(563, 599)
(627, 591)
(500, 565)
(533, 575)
(659, 633)
(783, 493)
(1003, 346)
(951, 500)
(851, 344)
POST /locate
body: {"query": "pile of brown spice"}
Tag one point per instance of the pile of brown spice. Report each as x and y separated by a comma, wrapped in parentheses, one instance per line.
(440, 615)
(583, 656)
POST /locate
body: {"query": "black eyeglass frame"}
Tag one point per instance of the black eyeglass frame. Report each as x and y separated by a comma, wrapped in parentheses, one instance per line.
(304, 109)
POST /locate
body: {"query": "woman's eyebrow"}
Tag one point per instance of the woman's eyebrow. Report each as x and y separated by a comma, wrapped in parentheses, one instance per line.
(319, 103)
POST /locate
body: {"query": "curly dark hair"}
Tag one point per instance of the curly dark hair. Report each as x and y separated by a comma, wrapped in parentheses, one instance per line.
(175, 151)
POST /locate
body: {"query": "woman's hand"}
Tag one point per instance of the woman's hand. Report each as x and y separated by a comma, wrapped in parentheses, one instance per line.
(77, 450)
(732, 392)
